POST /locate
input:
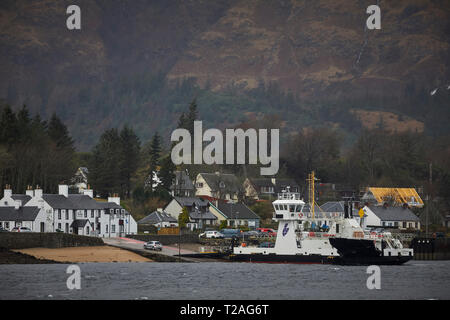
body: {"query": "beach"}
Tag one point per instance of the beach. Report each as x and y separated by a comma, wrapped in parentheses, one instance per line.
(84, 254)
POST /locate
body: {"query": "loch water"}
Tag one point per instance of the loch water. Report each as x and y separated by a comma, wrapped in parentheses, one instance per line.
(219, 280)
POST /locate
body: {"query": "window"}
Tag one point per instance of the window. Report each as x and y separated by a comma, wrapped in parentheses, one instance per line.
(113, 228)
(111, 211)
(117, 211)
(85, 213)
(59, 226)
(59, 215)
(199, 185)
(92, 213)
(291, 208)
(6, 225)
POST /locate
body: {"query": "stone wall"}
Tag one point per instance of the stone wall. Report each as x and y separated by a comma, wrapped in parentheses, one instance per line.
(23, 240)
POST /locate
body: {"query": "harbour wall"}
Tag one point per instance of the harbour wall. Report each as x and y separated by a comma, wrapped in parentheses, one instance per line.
(431, 248)
(24, 240)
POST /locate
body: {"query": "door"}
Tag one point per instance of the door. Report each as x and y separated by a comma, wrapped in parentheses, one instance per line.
(42, 227)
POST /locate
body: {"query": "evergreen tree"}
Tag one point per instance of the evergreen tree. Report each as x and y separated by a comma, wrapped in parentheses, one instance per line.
(104, 171)
(192, 116)
(154, 154)
(129, 158)
(166, 174)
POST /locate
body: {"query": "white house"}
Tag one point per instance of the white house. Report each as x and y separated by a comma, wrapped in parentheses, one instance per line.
(76, 213)
(394, 217)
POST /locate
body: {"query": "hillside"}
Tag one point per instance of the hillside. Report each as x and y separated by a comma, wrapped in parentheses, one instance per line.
(141, 62)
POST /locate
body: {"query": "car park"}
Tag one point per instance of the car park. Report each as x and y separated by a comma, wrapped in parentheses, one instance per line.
(153, 245)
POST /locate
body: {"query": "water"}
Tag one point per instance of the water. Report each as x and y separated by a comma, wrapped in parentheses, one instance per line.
(216, 280)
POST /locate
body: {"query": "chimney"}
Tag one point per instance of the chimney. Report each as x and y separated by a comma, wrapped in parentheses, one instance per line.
(89, 192)
(63, 189)
(115, 198)
(159, 210)
(29, 191)
(38, 192)
(17, 204)
(7, 192)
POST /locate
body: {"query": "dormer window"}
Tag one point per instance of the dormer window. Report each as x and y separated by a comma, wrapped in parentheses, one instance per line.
(111, 211)
(222, 184)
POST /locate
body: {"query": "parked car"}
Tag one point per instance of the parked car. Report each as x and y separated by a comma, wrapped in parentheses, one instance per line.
(3, 230)
(21, 229)
(230, 233)
(212, 234)
(153, 245)
(267, 245)
(267, 232)
(251, 233)
(59, 231)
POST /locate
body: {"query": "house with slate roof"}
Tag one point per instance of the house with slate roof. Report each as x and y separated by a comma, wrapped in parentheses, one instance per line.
(268, 187)
(182, 185)
(391, 217)
(218, 185)
(72, 213)
(175, 207)
(160, 219)
(236, 214)
(378, 216)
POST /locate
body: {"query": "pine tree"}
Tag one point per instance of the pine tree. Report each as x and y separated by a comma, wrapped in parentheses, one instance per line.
(192, 116)
(129, 158)
(104, 172)
(155, 154)
(166, 174)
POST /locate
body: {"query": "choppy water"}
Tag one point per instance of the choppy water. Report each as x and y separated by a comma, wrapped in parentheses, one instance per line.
(414, 280)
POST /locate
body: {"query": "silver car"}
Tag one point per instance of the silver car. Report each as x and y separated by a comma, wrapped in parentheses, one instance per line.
(153, 245)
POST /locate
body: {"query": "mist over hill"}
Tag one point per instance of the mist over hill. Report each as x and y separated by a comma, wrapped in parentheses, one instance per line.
(310, 62)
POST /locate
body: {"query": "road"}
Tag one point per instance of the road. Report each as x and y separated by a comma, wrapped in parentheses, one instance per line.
(127, 243)
(167, 250)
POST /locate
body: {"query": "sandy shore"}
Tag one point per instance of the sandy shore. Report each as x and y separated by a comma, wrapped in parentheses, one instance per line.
(85, 254)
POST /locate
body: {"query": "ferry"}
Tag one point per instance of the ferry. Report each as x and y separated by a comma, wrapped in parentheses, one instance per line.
(294, 244)
(339, 240)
